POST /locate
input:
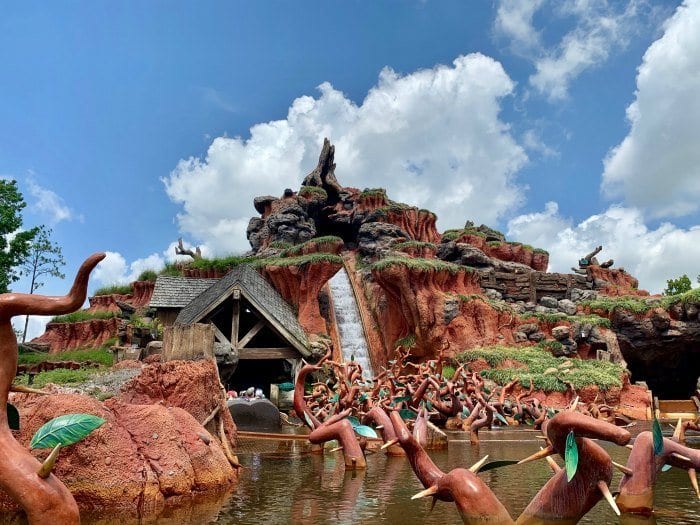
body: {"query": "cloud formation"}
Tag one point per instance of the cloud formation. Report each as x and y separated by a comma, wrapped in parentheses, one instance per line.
(599, 28)
(49, 203)
(653, 256)
(433, 138)
(657, 166)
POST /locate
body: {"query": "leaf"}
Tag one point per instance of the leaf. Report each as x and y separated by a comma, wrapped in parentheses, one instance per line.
(406, 413)
(500, 417)
(429, 406)
(364, 430)
(363, 398)
(498, 464)
(65, 430)
(353, 421)
(658, 438)
(666, 468)
(334, 399)
(401, 399)
(571, 456)
(12, 416)
(465, 411)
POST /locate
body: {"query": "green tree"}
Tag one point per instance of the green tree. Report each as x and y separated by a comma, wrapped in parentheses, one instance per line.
(676, 286)
(14, 242)
(44, 258)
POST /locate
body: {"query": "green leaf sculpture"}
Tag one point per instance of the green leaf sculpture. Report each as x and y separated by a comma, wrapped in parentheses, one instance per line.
(365, 431)
(407, 413)
(353, 421)
(500, 417)
(65, 430)
(658, 437)
(571, 456)
(12, 417)
(666, 468)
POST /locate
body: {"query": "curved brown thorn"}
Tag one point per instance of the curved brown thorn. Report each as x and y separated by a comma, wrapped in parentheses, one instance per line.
(48, 464)
(603, 487)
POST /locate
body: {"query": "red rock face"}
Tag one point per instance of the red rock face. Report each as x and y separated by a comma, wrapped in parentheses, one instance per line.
(142, 292)
(619, 281)
(299, 286)
(409, 301)
(66, 336)
(419, 224)
(511, 252)
(107, 303)
(147, 455)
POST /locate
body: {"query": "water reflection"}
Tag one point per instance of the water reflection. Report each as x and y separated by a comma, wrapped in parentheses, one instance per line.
(283, 483)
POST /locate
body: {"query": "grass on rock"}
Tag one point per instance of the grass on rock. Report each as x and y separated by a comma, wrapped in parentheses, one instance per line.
(419, 264)
(96, 355)
(536, 361)
(120, 289)
(82, 315)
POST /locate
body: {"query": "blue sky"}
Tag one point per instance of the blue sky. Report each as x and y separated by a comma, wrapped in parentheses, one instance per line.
(564, 123)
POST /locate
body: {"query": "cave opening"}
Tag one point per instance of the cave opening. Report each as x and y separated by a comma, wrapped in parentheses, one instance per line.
(671, 373)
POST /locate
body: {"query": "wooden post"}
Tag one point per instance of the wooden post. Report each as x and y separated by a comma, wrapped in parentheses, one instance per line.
(188, 342)
(235, 322)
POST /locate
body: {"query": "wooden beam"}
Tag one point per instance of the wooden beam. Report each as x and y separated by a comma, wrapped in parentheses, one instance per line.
(235, 323)
(220, 335)
(251, 333)
(268, 353)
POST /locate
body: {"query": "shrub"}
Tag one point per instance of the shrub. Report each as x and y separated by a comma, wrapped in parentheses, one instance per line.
(171, 270)
(148, 275)
(314, 191)
(407, 342)
(118, 289)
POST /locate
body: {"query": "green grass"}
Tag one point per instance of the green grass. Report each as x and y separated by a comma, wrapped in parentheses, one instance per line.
(550, 345)
(313, 190)
(373, 192)
(280, 245)
(593, 320)
(494, 244)
(301, 260)
(540, 250)
(82, 315)
(448, 372)
(59, 376)
(423, 265)
(326, 242)
(148, 275)
(120, 289)
(222, 264)
(451, 235)
(413, 245)
(407, 342)
(579, 373)
(632, 304)
(96, 355)
(170, 270)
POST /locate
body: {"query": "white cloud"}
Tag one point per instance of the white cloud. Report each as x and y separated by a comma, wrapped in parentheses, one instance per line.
(49, 203)
(653, 256)
(598, 29)
(514, 21)
(657, 166)
(113, 269)
(433, 138)
(36, 326)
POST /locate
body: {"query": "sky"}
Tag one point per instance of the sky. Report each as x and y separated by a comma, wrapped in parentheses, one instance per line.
(564, 123)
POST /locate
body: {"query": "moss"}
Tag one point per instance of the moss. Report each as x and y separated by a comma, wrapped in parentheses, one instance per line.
(540, 250)
(448, 372)
(120, 289)
(301, 260)
(313, 191)
(82, 315)
(537, 361)
(419, 264)
(494, 244)
(451, 235)
(280, 245)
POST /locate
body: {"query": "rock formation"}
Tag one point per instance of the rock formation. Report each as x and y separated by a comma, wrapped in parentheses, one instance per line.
(152, 451)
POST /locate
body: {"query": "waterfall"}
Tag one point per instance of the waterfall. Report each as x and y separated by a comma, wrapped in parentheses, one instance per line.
(347, 316)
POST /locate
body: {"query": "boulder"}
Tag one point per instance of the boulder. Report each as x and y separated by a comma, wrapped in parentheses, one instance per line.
(376, 238)
(579, 294)
(567, 306)
(549, 302)
(561, 333)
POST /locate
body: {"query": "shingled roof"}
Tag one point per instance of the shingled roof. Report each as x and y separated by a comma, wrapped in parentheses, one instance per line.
(177, 292)
(259, 293)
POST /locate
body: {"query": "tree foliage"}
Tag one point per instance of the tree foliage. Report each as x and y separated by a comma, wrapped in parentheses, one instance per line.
(15, 243)
(676, 286)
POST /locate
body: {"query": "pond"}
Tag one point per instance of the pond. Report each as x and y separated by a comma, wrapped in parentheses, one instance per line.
(283, 483)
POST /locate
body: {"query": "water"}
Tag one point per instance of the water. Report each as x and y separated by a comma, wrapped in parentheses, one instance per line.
(284, 484)
(352, 336)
